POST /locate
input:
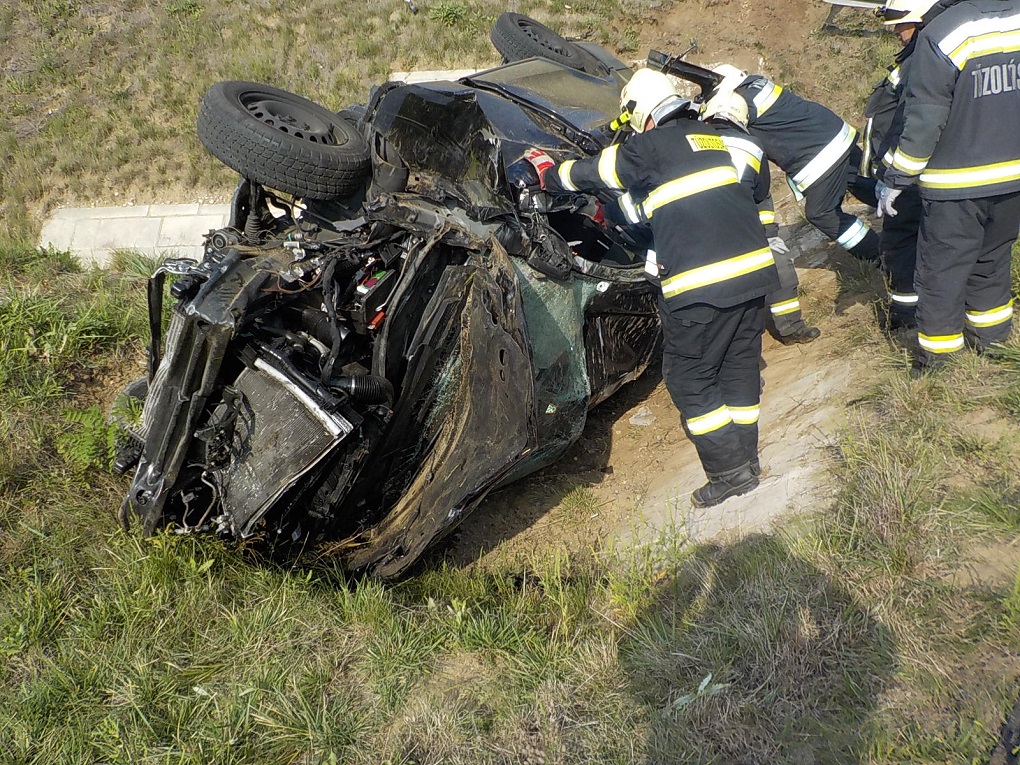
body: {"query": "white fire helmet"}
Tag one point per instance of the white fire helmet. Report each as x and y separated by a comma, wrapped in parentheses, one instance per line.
(904, 11)
(647, 90)
(726, 105)
(731, 77)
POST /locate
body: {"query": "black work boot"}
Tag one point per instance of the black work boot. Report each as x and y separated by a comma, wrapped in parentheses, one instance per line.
(725, 485)
(755, 467)
(802, 334)
(901, 320)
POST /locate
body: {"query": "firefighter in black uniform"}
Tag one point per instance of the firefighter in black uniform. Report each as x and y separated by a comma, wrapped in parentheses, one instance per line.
(817, 151)
(727, 113)
(884, 115)
(711, 260)
(960, 144)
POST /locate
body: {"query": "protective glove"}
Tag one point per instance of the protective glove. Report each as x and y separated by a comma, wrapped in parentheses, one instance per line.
(886, 200)
(778, 246)
(540, 161)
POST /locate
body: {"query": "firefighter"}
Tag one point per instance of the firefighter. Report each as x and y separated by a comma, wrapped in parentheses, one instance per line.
(711, 260)
(960, 145)
(727, 113)
(816, 149)
(898, 238)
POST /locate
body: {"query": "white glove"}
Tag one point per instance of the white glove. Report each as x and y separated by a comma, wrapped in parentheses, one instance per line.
(886, 200)
(777, 245)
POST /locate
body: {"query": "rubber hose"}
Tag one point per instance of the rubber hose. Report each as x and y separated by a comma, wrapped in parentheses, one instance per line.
(368, 389)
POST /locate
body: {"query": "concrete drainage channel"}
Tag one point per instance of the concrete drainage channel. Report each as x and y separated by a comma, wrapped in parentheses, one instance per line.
(94, 234)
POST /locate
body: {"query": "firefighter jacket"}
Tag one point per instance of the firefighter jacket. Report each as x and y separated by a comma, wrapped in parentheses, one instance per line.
(709, 246)
(802, 137)
(961, 104)
(752, 166)
(884, 110)
(884, 118)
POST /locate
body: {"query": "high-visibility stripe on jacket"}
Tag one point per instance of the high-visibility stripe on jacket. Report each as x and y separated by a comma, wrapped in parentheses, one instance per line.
(961, 104)
(709, 244)
(884, 117)
(802, 137)
(748, 157)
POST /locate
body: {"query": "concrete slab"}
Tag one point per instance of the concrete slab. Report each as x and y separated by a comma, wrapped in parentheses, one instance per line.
(127, 211)
(436, 75)
(93, 234)
(58, 232)
(186, 231)
(162, 211)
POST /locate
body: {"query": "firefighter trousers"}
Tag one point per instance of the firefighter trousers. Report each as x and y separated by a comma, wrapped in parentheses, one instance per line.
(710, 363)
(962, 276)
(860, 186)
(823, 207)
(898, 243)
(784, 315)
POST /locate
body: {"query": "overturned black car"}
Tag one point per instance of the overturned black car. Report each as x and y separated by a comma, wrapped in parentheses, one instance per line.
(397, 320)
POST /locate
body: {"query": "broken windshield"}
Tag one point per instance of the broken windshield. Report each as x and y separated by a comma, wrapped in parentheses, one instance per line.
(583, 100)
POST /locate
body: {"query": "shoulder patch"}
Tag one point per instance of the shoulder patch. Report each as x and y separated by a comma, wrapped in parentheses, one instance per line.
(705, 142)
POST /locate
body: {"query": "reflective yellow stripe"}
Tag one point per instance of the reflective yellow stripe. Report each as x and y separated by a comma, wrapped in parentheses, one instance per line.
(687, 186)
(630, 210)
(991, 317)
(563, 171)
(741, 159)
(864, 168)
(853, 235)
(908, 164)
(706, 423)
(826, 158)
(941, 343)
(903, 298)
(743, 153)
(767, 217)
(714, 273)
(983, 38)
(651, 264)
(967, 177)
(764, 100)
(745, 415)
(894, 76)
(607, 167)
(787, 306)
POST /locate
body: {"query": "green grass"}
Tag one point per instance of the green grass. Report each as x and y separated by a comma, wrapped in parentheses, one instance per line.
(848, 636)
(103, 96)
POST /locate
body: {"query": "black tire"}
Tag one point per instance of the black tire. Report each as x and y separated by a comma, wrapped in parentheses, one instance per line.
(516, 37)
(282, 140)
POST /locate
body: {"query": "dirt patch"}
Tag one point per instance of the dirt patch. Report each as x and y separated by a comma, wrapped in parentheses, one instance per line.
(786, 40)
(992, 566)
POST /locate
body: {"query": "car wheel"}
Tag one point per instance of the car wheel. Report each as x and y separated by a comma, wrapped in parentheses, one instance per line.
(282, 140)
(517, 37)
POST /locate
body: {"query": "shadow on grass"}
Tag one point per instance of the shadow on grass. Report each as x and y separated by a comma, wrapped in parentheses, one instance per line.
(750, 654)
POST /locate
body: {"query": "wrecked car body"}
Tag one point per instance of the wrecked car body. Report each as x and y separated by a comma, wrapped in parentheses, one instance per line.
(365, 353)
